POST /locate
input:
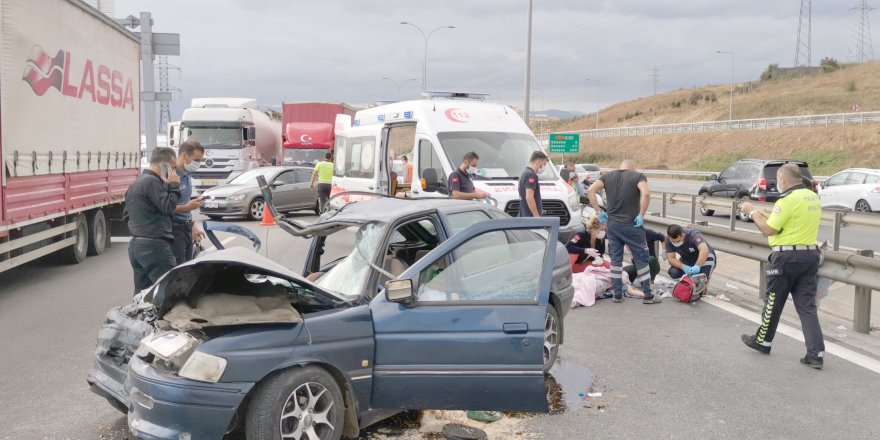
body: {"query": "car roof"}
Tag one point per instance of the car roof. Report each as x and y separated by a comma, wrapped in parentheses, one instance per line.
(388, 209)
(771, 161)
(862, 170)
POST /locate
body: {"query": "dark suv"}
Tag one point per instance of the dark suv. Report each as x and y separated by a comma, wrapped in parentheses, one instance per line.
(753, 179)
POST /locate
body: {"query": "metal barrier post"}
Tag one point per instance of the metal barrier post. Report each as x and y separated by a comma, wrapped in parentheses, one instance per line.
(663, 207)
(835, 230)
(733, 208)
(693, 209)
(862, 303)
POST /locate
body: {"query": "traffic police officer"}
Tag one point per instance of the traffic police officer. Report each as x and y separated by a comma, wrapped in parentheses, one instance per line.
(792, 229)
(460, 185)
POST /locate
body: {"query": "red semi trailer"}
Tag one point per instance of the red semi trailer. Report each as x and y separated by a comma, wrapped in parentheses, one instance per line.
(307, 129)
(69, 128)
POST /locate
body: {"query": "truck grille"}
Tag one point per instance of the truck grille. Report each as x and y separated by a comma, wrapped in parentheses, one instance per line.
(552, 208)
(211, 174)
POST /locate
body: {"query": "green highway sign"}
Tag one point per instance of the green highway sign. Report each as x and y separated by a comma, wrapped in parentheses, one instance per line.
(565, 143)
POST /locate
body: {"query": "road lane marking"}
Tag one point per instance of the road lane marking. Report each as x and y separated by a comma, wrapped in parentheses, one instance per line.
(830, 347)
(224, 242)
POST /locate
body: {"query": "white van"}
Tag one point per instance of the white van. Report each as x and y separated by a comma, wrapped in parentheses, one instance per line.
(439, 131)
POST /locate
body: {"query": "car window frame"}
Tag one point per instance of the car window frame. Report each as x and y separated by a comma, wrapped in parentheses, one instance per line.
(843, 175)
(286, 172)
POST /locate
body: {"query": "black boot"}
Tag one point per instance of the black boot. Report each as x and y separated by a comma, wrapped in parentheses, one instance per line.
(749, 340)
(813, 362)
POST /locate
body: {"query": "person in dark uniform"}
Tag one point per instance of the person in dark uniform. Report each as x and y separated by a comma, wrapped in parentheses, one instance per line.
(697, 256)
(460, 185)
(149, 203)
(185, 231)
(651, 237)
(530, 204)
(628, 197)
(792, 230)
(589, 244)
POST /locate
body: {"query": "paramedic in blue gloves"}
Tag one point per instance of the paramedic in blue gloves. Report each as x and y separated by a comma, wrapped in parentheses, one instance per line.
(626, 201)
(688, 253)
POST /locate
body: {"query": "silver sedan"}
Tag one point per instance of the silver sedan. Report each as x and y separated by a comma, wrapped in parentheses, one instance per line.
(241, 195)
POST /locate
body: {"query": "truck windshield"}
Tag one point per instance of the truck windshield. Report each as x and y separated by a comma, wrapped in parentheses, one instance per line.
(214, 137)
(502, 155)
(304, 156)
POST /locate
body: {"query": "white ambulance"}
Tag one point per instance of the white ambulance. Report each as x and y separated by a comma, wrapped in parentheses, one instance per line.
(439, 130)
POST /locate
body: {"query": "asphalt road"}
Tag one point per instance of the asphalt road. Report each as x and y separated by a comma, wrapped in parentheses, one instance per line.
(665, 371)
(851, 237)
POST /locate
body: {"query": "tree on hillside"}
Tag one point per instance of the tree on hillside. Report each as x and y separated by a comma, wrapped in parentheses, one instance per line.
(768, 73)
(829, 64)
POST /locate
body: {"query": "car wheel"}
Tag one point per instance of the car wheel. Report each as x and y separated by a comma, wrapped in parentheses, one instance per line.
(706, 211)
(77, 252)
(740, 199)
(255, 209)
(97, 224)
(863, 206)
(300, 403)
(551, 337)
(215, 217)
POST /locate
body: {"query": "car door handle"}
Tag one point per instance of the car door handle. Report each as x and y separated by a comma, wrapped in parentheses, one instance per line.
(370, 187)
(516, 328)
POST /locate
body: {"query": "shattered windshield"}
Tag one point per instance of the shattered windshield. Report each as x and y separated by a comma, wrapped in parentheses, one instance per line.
(348, 277)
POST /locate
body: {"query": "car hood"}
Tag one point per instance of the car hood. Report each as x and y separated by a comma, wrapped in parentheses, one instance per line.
(182, 281)
(228, 190)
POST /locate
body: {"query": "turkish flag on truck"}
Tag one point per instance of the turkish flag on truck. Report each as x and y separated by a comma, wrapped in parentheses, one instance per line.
(308, 135)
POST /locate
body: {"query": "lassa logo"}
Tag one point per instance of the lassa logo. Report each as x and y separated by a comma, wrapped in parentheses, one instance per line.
(42, 72)
(457, 115)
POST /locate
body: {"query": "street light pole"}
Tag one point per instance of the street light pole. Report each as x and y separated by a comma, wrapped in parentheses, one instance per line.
(596, 81)
(398, 85)
(730, 109)
(426, 38)
(528, 85)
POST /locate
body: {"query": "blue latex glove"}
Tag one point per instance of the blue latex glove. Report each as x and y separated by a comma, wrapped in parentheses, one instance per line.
(603, 217)
(695, 269)
(639, 221)
(686, 269)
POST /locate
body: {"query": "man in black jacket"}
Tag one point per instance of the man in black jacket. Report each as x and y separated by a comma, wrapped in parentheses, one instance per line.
(149, 204)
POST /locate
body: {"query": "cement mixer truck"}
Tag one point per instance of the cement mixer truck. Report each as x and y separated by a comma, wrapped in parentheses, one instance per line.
(237, 137)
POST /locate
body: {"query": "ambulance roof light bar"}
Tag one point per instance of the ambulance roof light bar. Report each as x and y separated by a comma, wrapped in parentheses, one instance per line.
(456, 95)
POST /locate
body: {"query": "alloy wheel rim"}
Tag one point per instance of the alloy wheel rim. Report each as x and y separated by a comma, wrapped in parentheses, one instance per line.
(550, 337)
(862, 206)
(307, 413)
(257, 209)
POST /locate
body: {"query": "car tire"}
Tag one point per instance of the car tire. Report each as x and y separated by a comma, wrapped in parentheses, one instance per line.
(76, 253)
(705, 211)
(255, 209)
(98, 230)
(309, 396)
(740, 199)
(215, 217)
(551, 337)
(862, 206)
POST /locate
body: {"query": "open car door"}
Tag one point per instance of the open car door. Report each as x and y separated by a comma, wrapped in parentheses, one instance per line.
(463, 327)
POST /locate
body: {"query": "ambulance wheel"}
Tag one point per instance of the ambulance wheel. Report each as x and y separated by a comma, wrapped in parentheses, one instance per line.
(76, 252)
(98, 232)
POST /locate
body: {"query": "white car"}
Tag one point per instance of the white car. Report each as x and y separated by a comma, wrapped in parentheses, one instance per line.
(857, 189)
(592, 172)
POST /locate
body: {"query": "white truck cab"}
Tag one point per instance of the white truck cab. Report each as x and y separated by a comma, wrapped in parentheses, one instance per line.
(439, 131)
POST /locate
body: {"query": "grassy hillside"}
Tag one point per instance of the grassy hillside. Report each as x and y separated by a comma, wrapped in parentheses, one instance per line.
(826, 149)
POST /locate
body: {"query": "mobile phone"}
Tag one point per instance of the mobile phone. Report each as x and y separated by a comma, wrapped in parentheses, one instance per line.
(166, 169)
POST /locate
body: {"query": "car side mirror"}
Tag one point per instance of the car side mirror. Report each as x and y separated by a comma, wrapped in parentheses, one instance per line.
(713, 177)
(400, 291)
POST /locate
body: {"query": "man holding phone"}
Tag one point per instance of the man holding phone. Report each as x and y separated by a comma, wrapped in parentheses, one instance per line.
(149, 203)
(186, 232)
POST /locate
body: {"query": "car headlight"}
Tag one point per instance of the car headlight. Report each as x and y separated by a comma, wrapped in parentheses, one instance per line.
(574, 202)
(235, 197)
(203, 367)
(172, 347)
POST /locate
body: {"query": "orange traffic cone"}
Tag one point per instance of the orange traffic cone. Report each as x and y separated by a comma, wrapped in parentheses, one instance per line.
(268, 220)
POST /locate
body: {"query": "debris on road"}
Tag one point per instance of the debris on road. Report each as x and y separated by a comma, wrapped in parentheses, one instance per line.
(457, 431)
(484, 416)
(731, 286)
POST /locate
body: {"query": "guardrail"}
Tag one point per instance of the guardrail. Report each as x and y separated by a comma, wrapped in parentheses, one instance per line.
(691, 175)
(859, 118)
(855, 267)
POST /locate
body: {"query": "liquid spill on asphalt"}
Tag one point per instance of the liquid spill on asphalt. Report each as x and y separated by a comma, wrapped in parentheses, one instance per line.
(564, 383)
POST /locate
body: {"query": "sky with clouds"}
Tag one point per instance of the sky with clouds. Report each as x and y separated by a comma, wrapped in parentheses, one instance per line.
(335, 50)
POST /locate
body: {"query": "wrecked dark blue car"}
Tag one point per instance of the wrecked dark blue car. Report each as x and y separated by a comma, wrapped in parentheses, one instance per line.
(437, 305)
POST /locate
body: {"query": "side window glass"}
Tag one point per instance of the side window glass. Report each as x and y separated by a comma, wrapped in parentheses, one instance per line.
(854, 179)
(286, 178)
(872, 179)
(303, 176)
(339, 157)
(461, 220)
(496, 270)
(430, 168)
(728, 172)
(355, 157)
(837, 179)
